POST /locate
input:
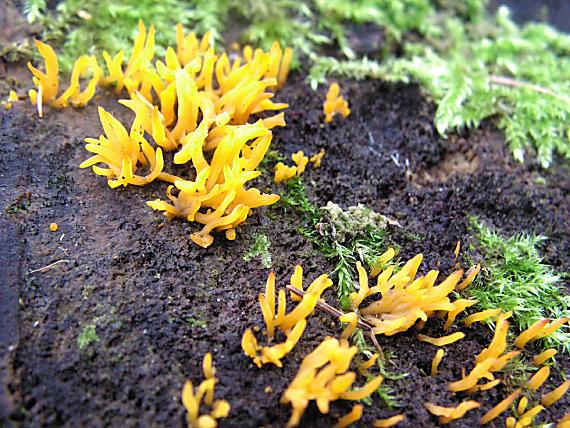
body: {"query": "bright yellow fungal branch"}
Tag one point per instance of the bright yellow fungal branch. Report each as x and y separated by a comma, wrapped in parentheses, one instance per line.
(538, 378)
(122, 153)
(48, 83)
(292, 324)
(541, 358)
(335, 104)
(490, 360)
(500, 408)
(217, 198)
(203, 395)
(481, 316)
(552, 397)
(436, 360)
(442, 341)
(448, 414)
(317, 158)
(405, 299)
(353, 416)
(539, 330)
(284, 172)
(324, 377)
(388, 422)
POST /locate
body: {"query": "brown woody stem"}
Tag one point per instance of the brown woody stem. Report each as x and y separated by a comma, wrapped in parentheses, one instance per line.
(321, 304)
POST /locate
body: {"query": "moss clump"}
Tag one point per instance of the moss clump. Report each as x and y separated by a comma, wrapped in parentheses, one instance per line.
(260, 248)
(515, 278)
(88, 335)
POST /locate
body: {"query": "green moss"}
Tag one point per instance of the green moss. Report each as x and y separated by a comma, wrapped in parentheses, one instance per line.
(260, 247)
(88, 335)
(194, 322)
(515, 278)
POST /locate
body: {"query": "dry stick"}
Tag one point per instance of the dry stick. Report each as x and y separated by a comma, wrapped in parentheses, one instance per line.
(43, 269)
(336, 313)
(507, 81)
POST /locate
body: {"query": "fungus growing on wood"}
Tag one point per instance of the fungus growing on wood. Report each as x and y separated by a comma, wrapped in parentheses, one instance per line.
(193, 398)
(436, 360)
(541, 358)
(442, 341)
(490, 360)
(388, 422)
(538, 378)
(353, 416)
(448, 414)
(335, 104)
(122, 152)
(317, 158)
(324, 377)
(404, 299)
(552, 397)
(481, 316)
(500, 407)
(538, 330)
(292, 324)
(47, 83)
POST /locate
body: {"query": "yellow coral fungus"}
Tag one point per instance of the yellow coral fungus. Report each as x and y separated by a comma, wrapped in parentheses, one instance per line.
(301, 161)
(448, 414)
(317, 158)
(324, 377)
(442, 341)
(490, 360)
(48, 83)
(481, 316)
(193, 398)
(538, 378)
(353, 416)
(471, 274)
(284, 172)
(335, 104)
(405, 299)
(530, 333)
(388, 422)
(292, 324)
(552, 397)
(351, 319)
(122, 152)
(193, 102)
(460, 306)
(500, 408)
(541, 358)
(436, 360)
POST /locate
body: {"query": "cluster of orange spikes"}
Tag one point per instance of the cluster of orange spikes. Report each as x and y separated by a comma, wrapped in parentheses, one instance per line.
(195, 103)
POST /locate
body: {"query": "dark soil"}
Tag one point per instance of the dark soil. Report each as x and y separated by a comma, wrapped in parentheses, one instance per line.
(159, 302)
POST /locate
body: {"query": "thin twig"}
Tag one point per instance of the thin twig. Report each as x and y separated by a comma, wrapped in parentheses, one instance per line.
(337, 314)
(43, 269)
(508, 81)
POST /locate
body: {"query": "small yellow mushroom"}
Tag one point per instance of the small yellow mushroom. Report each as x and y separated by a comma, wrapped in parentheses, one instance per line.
(521, 407)
(448, 414)
(335, 104)
(471, 274)
(436, 360)
(538, 378)
(388, 422)
(53, 227)
(317, 158)
(530, 333)
(552, 397)
(499, 408)
(301, 161)
(481, 316)
(284, 172)
(442, 341)
(541, 358)
(351, 319)
(353, 416)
